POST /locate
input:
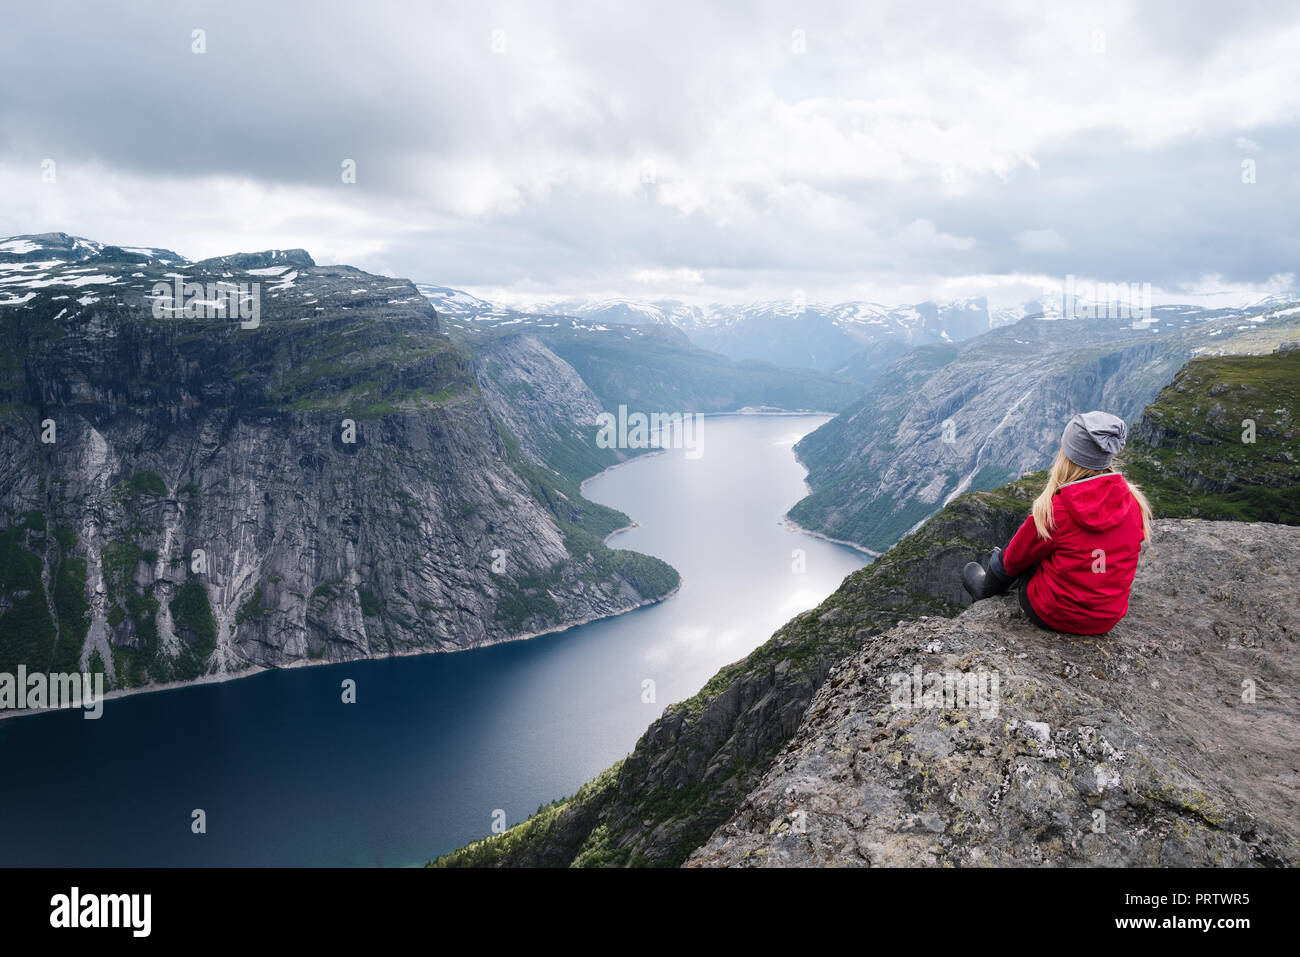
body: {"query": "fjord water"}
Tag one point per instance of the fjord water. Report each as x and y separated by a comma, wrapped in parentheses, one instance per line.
(286, 774)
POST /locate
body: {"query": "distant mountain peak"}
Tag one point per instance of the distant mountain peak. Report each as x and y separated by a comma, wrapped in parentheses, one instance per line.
(263, 260)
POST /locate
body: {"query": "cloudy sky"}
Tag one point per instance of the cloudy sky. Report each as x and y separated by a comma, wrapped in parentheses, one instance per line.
(709, 152)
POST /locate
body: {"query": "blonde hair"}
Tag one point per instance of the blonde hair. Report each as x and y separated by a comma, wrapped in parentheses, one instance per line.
(1063, 472)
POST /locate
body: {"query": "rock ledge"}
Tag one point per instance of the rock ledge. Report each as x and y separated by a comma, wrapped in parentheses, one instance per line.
(1171, 741)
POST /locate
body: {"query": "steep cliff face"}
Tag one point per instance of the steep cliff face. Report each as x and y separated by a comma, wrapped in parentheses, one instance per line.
(193, 495)
(693, 767)
(543, 402)
(947, 419)
(1171, 741)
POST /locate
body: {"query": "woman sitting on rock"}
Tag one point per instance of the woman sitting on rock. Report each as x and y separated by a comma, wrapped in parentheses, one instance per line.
(1077, 552)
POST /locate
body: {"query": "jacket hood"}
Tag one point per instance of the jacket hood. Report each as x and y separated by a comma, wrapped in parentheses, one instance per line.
(1099, 503)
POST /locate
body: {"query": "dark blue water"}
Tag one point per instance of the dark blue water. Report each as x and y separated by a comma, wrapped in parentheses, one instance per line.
(289, 775)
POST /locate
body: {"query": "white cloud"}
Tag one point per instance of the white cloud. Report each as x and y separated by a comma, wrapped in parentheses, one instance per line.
(922, 234)
(667, 277)
(690, 148)
(1040, 241)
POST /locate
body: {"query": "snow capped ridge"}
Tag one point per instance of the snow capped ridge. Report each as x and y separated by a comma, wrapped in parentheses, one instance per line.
(1271, 302)
(62, 248)
(829, 337)
(789, 332)
(688, 316)
(455, 302)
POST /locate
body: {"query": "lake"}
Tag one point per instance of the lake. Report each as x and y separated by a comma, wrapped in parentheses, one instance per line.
(288, 775)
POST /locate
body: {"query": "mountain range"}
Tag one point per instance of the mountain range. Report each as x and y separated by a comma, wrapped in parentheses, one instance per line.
(945, 419)
(257, 461)
(792, 333)
(945, 405)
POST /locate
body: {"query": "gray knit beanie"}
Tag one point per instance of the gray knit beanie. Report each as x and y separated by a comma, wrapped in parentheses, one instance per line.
(1091, 439)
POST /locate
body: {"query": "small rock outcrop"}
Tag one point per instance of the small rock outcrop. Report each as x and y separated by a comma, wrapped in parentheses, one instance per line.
(1171, 741)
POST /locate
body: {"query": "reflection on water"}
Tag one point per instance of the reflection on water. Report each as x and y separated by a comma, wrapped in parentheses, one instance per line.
(287, 775)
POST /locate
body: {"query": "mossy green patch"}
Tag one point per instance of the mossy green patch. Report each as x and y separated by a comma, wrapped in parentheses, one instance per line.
(194, 623)
(146, 483)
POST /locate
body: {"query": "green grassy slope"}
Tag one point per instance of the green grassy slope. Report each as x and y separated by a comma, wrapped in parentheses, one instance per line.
(1221, 441)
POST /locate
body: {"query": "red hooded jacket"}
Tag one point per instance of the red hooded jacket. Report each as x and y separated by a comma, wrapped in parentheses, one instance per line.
(1085, 570)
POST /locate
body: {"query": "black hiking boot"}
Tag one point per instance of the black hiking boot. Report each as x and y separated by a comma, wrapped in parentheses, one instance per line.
(980, 582)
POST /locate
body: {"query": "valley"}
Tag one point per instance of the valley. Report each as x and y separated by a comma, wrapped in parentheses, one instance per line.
(705, 783)
(357, 477)
(320, 469)
(427, 748)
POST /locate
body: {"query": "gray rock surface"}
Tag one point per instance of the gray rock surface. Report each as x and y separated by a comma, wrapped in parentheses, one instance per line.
(1142, 747)
(543, 401)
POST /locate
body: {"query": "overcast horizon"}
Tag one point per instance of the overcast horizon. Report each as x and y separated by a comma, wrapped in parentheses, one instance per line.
(705, 153)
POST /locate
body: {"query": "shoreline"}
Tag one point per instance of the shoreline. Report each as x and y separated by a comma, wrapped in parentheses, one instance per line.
(746, 412)
(166, 686)
(251, 670)
(406, 653)
(582, 486)
(790, 523)
(750, 410)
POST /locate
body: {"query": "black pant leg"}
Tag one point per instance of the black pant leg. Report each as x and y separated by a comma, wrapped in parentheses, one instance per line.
(1023, 594)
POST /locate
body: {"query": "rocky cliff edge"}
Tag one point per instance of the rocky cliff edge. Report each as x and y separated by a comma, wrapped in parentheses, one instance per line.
(1172, 740)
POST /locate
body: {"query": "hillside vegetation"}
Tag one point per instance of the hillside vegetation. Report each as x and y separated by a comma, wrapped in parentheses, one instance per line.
(1221, 440)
